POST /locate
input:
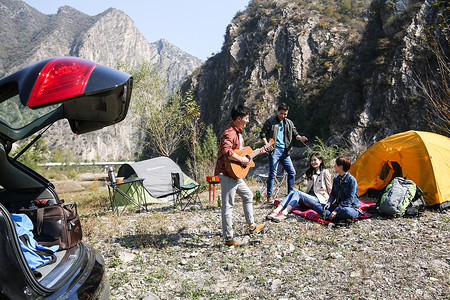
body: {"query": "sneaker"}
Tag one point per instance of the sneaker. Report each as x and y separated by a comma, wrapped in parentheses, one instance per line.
(258, 228)
(235, 242)
(280, 217)
(271, 215)
(270, 199)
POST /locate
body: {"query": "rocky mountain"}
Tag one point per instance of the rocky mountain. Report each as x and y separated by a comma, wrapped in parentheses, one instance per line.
(109, 38)
(346, 68)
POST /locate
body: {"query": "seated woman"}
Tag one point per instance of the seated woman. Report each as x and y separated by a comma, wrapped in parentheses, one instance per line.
(318, 190)
(343, 202)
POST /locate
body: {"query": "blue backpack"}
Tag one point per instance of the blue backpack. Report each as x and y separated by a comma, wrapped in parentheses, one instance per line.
(35, 254)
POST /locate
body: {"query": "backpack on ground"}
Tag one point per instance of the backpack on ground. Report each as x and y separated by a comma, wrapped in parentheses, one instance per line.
(402, 197)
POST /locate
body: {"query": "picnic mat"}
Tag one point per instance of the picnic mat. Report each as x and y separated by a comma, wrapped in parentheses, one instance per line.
(312, 215)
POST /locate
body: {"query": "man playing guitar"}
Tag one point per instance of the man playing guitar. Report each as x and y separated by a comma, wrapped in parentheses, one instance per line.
(230, 141)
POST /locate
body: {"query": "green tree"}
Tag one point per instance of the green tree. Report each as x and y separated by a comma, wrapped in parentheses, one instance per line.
(34, 156)
(63, 156)
(57, 156)
(205, 155)
(170, 119)
(193, 132)
(159, 110)
(164, 125)
(292, 95)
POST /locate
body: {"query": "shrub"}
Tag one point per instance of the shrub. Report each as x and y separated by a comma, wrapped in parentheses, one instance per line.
(34, 155)
(73, 173)
(328, 152)
(380, 60)
(205, 156)
(383, 44)
(238, 14)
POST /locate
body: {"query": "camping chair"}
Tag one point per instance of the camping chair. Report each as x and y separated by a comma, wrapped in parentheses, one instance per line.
(187, 192)
(131, 191)
(279, 183)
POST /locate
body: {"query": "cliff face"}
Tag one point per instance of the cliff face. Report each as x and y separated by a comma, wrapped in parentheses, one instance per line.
(389, 101)
(109, 38)
(345, 70)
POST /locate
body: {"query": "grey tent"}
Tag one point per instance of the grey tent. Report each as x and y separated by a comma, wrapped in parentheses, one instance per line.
(157, 176)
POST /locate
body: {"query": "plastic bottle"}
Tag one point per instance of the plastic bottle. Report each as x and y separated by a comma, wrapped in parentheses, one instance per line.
(258, 196)
(219, 202)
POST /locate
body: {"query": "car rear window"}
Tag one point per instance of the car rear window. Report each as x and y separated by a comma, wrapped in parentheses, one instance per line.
(15, 115)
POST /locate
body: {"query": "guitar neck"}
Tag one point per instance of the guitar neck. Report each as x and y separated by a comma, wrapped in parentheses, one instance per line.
(258, 151)
(255, 153)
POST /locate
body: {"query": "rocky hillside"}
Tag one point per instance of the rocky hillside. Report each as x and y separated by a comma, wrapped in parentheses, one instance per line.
(346, 68)
(109, 38)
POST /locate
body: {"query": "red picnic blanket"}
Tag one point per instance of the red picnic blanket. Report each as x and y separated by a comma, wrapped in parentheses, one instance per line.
(312, 215)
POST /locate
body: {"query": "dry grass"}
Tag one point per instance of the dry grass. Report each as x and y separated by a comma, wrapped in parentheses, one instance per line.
(180, 254)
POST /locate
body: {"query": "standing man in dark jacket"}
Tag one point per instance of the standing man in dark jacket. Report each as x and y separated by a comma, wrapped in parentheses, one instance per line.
(282, 131)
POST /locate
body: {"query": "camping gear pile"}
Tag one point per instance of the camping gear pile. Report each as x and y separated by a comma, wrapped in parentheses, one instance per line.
(405, 172)
(422, 157)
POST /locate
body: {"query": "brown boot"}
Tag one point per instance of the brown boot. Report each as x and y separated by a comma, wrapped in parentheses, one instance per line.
(270, 199)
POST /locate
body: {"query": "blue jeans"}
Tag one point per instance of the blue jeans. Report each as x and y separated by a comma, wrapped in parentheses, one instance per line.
(344, 213)
(292, 199)
(308, 200)
(280, 156)
(296, 197)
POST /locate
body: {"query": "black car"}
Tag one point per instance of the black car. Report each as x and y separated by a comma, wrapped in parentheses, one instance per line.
(90, 97)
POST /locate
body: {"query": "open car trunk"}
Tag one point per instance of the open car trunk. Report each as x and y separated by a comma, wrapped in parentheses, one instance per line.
(90, 97)
(20, 186)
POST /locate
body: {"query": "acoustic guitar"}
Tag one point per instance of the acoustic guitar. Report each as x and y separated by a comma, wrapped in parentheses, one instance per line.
(237, 170)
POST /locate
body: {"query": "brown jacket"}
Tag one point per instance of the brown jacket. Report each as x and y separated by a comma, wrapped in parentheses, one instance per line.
(228, 142)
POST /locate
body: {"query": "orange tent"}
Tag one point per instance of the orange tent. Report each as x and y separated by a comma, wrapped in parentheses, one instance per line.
(423, 157)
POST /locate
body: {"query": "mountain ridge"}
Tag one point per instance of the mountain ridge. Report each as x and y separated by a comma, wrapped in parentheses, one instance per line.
(340, 65)
(109, 38)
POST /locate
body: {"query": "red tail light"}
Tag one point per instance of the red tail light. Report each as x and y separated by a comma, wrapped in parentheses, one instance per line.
(61, 78)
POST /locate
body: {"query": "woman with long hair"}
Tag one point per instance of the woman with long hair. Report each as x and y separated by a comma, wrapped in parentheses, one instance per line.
(318, 190)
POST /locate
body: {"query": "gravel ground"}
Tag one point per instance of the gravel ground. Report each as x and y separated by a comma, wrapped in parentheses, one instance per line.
(173, 254)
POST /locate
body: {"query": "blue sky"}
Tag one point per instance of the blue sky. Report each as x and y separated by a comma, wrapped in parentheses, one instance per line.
(195, 26)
